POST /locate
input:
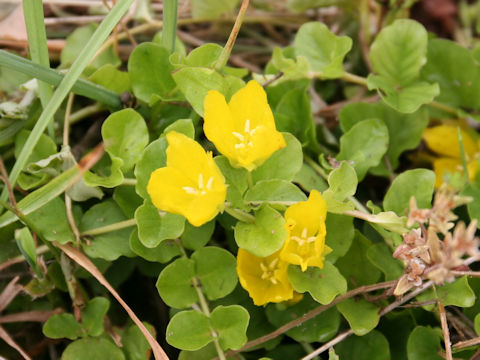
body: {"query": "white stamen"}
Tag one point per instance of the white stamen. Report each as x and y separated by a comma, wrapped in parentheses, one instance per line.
(200, 181)
(247, 126)
(253, 132)
(238, 136)
(273, 280)
(300, 240)
(239, 146)
(304, 233)
(273, 263)
(209, 183)
(263, 267)
(189, 190)
(250, 144)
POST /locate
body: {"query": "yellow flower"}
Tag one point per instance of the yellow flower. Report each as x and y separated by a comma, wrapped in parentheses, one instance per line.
(443, 140)
(305, 223)
(265, 279)
(244, 129)
(191, 184)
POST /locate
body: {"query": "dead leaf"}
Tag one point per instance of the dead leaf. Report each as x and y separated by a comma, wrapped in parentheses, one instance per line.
(13, 26)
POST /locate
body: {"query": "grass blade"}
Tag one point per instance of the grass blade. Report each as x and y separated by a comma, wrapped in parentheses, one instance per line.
(66, 85)
(169, 24)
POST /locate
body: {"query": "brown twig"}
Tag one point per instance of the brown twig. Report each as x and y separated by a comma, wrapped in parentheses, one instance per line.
(445, 331)
(466, 343)
(9, 340)
(34, 315)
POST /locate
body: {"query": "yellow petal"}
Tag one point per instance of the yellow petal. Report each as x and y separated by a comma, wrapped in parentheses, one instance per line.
(308, 214)
(264, 290)
(218, 123)
(443, 140)
(250, 103)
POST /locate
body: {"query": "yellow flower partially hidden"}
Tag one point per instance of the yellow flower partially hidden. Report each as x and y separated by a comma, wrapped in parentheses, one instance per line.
(244, 129)
(443, 140)
(191, 184)
(305, 223)
(265, 279)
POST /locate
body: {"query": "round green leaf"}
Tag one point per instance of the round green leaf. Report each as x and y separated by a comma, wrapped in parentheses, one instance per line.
(340, 233)
(323, 49)
(175, 284)
(153, 157)
(361, 315)
(283, 164)
(373, 346)
(364, 144)
(196, 237)
(155, 226)
(135, 346)
(92, 349)
(125, 135)
(458, 293)
(189, 330)
(62, 326)
(111, 245)
(216, 269)
(424, 344)
(111, 78)
(477, 324)
(381, 256)
(230, 323)
(127, 199)
(274, 191)
(263, 237)
(162, 253)
(318, 329)
(323, 284)
(150, 72)
(93, 315)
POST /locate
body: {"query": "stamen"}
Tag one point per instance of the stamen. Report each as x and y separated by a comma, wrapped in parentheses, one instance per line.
(247, 126)
(273, 263)
(200, 181)
(239, 146)
(238, 136)
(300, 240)
(304, 233)
(273, 280)
(250, 144)
(190, 190)
(209, 183)
(263, 267)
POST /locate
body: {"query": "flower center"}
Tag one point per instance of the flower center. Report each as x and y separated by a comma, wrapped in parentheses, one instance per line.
(268, 271)
(245, 137)
(303, 238)
(202, 188)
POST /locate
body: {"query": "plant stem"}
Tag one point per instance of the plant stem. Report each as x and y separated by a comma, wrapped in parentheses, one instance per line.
(109, 228)
(354, 78)
(86, 112)
(250, 180)
(225, 54)
(240, 215)
(169, 24)
(131, 182)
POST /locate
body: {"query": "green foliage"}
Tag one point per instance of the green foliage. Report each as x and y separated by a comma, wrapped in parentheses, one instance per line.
(342, 183)
(362, 316)
(423, 343)
(372, 346)
(94, 349)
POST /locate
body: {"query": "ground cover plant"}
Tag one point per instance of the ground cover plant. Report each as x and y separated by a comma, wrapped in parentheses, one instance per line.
(240, 180)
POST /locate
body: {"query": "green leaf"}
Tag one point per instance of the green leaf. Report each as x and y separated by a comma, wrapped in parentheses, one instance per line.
(343, 184)
(125, 135)
(476, 322)
(216, 269)
(473, 190)
(340, 233)
(284, 164)
(230, 323)
(93, 315)
(62, 326)
(265, 236)
(380, 255)
(127, 199)
(424, 344)
(76, 42)
(155, 226)
(355, 266)
(362, 316)
(111, 245)
(52, 223)
(458, 293)
(291, 67)
(324, 50)
(318, 329)
(184, 126)
(453, 67)
(302, 5)
(92, 349)
(196, 82)
(274, 192)
(153, 157)
(162, 253)
(236, 179)
(107, 178)
(196, 237)
(323, 284)
(308, 179)
(404, 130)
(397, 56)
(135, 346)
(27, 247)
(406, 99)
(189, 330)
(175, 284)
(211, 9)
(111, 78)
(418, 183)
(364, 144)
(150, 73)
(373, 346)
(202, 56)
